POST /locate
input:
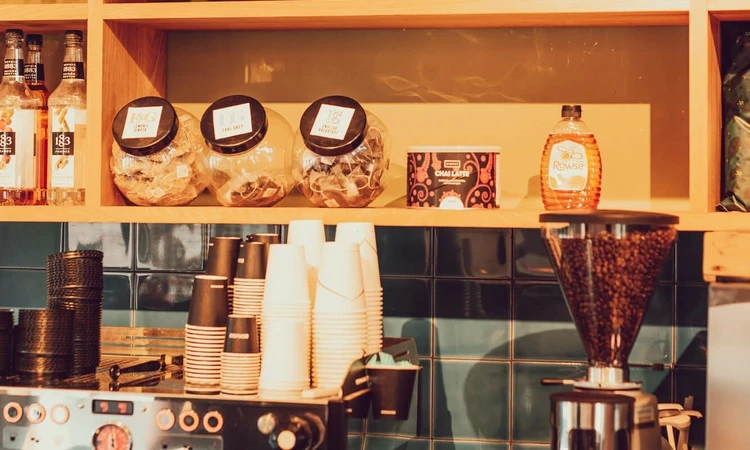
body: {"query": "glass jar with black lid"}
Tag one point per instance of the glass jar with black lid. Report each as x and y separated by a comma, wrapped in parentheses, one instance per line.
(341, 154)
(157, 153)
(248, 163)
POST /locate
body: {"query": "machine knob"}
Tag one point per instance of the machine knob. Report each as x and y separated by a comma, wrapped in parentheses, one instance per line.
(213, 421)
(13, 412)
(36, 413)
(297, 434)
(267, 423)
(59, 414)
(165, 419)
(189, 421)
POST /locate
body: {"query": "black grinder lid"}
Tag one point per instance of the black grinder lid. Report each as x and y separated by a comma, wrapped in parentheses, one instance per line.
(333, 126)
(145, 126)
(234, 124)
(609, 217)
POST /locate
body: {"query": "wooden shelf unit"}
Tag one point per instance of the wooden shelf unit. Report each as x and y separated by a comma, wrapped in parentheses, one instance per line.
(127, 58)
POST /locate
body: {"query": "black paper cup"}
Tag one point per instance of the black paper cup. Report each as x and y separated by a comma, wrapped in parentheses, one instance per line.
(266, 238)
(209, 306)
(242, 335)
(392, 388)
(256, 259)
(222, 256)
(240, 261)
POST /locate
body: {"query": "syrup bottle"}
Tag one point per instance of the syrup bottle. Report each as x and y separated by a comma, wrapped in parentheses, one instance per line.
(571, 172)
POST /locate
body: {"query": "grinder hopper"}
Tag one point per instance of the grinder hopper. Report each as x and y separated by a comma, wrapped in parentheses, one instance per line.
(608, 264)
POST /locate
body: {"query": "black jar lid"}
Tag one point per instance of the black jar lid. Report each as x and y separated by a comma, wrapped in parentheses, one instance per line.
(609, 216)
(332, 139)
(247, 114)
(136, 129)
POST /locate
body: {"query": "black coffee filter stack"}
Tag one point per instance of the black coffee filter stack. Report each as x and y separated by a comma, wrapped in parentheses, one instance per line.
(75, 282)
(6, 341)
(43, 343)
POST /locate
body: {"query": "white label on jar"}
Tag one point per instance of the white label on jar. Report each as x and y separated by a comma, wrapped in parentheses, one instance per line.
(183, 171)
(568, 167)
(329, 160)
(332, 122)
(142, 122)
(17, 148)
(232, 121)
(63, 146)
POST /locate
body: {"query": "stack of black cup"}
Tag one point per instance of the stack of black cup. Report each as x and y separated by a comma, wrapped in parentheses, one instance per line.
(75, 282)
(222, 258)
(6, 341)
(43, 343)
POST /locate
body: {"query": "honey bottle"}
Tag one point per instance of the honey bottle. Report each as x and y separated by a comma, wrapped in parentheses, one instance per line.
(571, 172)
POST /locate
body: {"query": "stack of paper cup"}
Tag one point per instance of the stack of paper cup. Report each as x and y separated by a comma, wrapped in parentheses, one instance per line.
(339, 316)
(311, 235)
(363, 234)
(250, 283)
(204, 334)
(240, 360)
(285, 370)
(221, 260)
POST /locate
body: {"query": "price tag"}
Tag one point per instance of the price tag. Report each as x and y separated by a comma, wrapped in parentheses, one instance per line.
(142, 122)
(332, 122)
(232, 121)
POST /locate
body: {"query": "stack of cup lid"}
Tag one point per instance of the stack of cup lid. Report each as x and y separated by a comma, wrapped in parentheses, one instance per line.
(285, 371)
(339, 316)
(75, 282)
(250, 281)
(240, 360)
(221, 260)
(363, 234)
(204, 334)
(6, 341)
(43, 343)
(311, 235)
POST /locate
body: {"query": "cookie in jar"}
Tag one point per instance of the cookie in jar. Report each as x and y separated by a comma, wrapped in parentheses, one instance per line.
(157, 153)
(248, 161)
(341, 154)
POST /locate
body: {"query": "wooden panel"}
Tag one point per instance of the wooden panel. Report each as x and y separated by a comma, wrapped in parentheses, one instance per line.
(134, 65)
(33, 18)
(361, 14)
(725, 255)
(729, 9)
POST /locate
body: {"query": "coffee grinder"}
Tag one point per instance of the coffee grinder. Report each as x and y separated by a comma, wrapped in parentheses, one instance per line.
(608, 264)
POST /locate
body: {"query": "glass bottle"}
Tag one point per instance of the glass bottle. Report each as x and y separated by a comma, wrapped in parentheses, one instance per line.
(571, 172)
(33, 70)
(68, 128)
(18, 128)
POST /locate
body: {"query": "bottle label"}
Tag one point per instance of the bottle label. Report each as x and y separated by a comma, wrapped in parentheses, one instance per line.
(34, 73)
(62, 158)
(232, 121)
(72, 71)
(142, 122)
(13, 68)
(568, 167)
(17, 148)
(332, 122)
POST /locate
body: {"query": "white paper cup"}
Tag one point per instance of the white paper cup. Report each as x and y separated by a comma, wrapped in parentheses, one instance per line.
(311, 235)
(286, 276)
(341, 270)
(363, 234)
(285, 354)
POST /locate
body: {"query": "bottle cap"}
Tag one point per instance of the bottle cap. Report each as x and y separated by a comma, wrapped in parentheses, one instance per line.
(34, 39)
(13, 35)
(73, 36)
(234, 124)
(330, 140)
(571, 111)
(145, 126)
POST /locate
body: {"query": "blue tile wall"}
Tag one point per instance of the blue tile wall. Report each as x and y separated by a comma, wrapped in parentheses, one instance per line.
(482, 304)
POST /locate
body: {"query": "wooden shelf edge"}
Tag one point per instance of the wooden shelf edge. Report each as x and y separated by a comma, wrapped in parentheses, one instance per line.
(60, 15)
(380, 216)
(361, 14)
(729, 10)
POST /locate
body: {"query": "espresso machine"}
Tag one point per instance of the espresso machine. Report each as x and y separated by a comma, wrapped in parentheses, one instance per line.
(607, 264)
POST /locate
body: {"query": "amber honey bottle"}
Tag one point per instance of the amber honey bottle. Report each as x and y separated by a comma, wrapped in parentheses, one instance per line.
(33, 70)
(571, 172)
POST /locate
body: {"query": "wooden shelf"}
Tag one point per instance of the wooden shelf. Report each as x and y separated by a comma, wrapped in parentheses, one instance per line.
(730, 10)
(364, 14)
(380, 216)
(43, 17)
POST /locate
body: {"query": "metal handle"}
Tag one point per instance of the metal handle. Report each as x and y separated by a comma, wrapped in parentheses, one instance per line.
(557, 382)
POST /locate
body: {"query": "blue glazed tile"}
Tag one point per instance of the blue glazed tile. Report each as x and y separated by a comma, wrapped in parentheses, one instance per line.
(354, 442)
(471, 400)
(530, 446)
(356, 426)
(472, 319)
(116, 240)
(159, 319)
(404, 250)
(118, 291)
(116, 318)
(170, 247)
(407, 311)
(690, 257)
(163, 291)
(473, 253)
(531, 404)
(667, 274)
(543, 327)
(27, 245)
(393, 443)
(330, 231)
(692, 322)
(458, 445)
(411, 327)
(657, 382)
(692, 382)
(530, 255)
(23, 288)
(654, 342)
(409, 427)
(239, 230)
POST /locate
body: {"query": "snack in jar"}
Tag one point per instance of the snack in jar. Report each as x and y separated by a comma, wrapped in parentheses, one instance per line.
(248, 162)
(341, 154)
(157, 153)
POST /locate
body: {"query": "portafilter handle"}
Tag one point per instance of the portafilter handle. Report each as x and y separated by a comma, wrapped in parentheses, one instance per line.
(557, 382)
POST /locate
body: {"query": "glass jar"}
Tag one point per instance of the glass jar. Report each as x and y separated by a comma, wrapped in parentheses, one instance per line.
(157, 153)
(341, 154)
(248, 163)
